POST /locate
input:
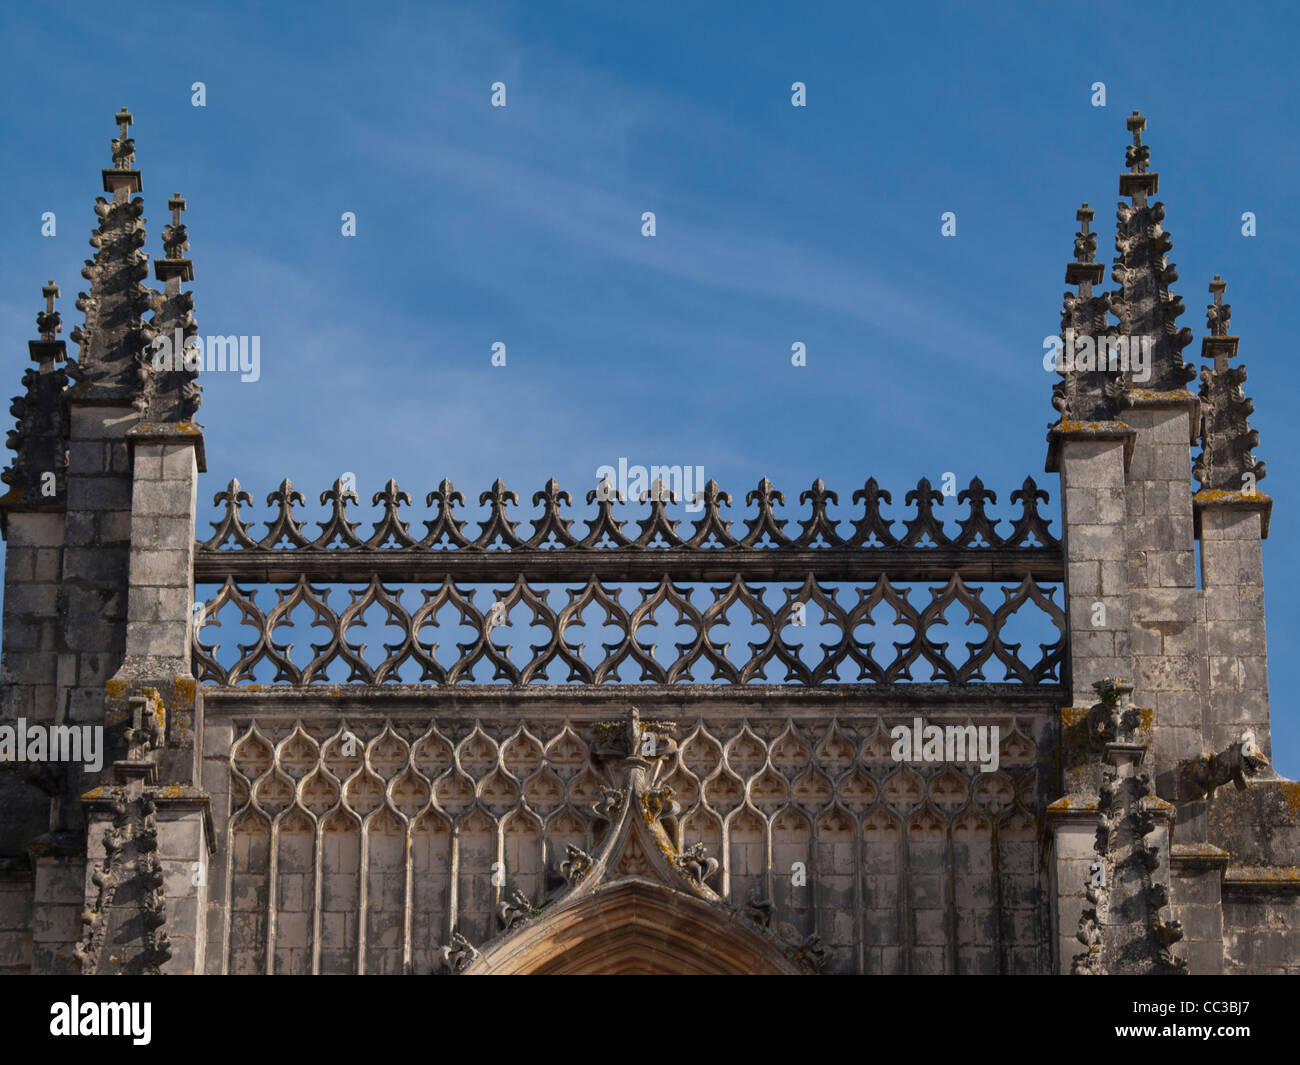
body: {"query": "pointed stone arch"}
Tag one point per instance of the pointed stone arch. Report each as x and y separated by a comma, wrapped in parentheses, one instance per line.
(634, 926)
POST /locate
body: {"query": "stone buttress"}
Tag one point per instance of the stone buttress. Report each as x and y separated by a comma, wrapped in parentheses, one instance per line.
(1192, 659)
(99, 520)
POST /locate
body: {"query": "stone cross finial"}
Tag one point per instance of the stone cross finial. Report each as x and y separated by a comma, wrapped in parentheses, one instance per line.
(1138, 153)
(123, 146)
(1085, 271)
(1218, 316)
(1085, 241)
(49, 322)
(175, 242)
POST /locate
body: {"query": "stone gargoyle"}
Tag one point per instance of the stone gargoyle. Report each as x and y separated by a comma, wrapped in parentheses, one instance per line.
(1242, 760)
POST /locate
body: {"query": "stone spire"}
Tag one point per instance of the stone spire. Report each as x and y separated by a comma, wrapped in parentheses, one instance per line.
(1086, 392)
(1225, 463)
(37, 472)
(114, 339)
(1146, 309)
(172, 391)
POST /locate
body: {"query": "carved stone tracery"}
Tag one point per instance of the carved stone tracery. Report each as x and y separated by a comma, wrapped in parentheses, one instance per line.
(575, 806)
(419, 657)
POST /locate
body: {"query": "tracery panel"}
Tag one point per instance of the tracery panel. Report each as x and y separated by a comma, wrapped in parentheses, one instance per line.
(429, 830)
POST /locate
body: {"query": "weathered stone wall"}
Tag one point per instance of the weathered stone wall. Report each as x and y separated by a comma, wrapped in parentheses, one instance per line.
(1261, 929)
(93, 593)
(1167, 670)
(1197, 896)
(15, 917)
(1236, 641)
(1093, 511)
(29, 661)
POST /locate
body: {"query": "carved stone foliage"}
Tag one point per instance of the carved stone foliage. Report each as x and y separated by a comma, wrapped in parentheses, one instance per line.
(456, 956)
(498, 531)
(123, 929)
(1126, 930)
(876, 634)
(377, 844)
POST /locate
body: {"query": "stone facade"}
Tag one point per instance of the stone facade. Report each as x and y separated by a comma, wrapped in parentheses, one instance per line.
(443, 806)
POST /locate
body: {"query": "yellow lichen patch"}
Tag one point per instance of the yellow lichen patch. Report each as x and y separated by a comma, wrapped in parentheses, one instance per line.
(1074, 735)
(185, 688)
(178, 791)
(1290, 791)
(115, 688)
(1146, 718)
(1148, 395)
(1073, 427)
(1072, 802)
(1072, 715)
(1236, 495)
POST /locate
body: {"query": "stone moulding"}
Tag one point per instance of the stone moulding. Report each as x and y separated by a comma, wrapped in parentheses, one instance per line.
(1063, 431)
(1219, 499)
(633, 922)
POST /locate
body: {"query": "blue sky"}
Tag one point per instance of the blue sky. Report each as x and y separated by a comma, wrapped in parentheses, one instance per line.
(775, 224)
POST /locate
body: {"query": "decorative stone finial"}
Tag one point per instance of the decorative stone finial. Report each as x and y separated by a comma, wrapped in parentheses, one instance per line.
(1145, 305)
(36, 475)
(1218, 315)
(1085, 271)
(1085, 241)
(175, 244)
(1138, 154)
(123, 146)
(1226, 463)
(1087, 393)
(122, 179)
(172, 392)
(113, 338)
(49, 322)
(1113, 719)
